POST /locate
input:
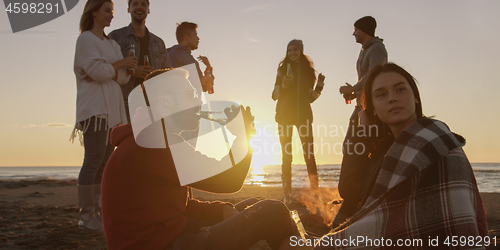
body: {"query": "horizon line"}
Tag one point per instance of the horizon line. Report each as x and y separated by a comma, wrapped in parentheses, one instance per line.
(251, 165)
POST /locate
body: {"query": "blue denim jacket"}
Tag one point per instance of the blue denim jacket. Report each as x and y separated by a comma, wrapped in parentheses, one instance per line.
(157, 52)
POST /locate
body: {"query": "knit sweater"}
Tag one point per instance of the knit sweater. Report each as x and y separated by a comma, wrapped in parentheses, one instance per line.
(101, 97)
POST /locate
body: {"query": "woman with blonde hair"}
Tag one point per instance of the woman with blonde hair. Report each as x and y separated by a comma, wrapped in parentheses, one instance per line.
(99, 69)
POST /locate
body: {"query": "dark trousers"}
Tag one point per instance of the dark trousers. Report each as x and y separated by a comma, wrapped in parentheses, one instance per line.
(305, 132)
(267, 220)
(97, 151)
(353, 121)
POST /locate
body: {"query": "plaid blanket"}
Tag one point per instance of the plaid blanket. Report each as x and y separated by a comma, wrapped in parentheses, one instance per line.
(425, 196)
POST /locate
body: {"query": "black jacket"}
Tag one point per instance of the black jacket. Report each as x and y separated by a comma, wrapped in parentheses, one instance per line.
(294, 102)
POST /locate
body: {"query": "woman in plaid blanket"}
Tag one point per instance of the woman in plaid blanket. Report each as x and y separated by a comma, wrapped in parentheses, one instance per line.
(412, 184)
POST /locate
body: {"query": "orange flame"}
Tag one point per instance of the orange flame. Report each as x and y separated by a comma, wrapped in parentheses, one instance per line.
(323, 203)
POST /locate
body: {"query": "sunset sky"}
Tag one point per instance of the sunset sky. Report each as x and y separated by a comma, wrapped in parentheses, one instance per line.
(450, 47)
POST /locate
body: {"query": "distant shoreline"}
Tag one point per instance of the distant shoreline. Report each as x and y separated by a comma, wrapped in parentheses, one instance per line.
(487, 175)
(329, 164)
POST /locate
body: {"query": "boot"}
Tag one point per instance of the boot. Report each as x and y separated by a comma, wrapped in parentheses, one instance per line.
(97, 202)
(87, 208)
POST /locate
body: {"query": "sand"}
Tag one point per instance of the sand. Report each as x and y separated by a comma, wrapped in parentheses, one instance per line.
(42, 214)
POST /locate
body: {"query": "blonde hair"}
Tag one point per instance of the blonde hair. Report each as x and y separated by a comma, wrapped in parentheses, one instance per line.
(87, 19)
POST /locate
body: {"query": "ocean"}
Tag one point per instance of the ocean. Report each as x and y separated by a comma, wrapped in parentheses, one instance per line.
(487, 175)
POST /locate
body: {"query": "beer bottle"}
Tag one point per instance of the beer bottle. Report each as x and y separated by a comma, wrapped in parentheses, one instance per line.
(131, 52)
(208, 72)
(347, 100)
(347, 97)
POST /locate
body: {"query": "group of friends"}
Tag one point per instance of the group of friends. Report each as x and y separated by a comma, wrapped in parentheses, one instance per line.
(413, 181)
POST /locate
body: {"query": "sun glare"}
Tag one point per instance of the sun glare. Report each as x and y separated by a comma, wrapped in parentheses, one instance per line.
(257, 169)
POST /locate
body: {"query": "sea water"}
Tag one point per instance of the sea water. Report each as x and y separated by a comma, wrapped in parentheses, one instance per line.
(487, 175)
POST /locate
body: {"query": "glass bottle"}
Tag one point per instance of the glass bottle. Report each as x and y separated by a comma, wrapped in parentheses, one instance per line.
(131, 52)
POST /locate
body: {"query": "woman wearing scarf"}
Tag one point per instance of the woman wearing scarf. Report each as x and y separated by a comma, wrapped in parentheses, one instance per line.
(413, 180)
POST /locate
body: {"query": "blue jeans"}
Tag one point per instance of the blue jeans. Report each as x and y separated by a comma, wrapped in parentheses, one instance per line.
(267, 220)
(97, 152)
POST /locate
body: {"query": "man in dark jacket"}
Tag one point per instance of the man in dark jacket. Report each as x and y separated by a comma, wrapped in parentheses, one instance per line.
(372, 53)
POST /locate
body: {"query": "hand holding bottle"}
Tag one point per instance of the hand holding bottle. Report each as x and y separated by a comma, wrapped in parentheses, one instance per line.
(131, 69)
(347, 89)
(207, 81)
(347, 92)
(128, 62)
(287, 81)
(288, 78)
(348, 98)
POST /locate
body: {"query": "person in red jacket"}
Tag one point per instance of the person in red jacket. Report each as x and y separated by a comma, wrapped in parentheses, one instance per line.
(144, 205)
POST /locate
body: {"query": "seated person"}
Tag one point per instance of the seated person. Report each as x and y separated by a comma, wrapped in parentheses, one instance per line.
(413, 180)
(144, 205)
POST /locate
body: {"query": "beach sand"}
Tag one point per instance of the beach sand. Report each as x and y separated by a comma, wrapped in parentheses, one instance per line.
(42, 214)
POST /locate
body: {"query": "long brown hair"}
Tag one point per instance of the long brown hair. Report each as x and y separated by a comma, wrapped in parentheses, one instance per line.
(305, 62)
(87, 19)
(367, 98)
